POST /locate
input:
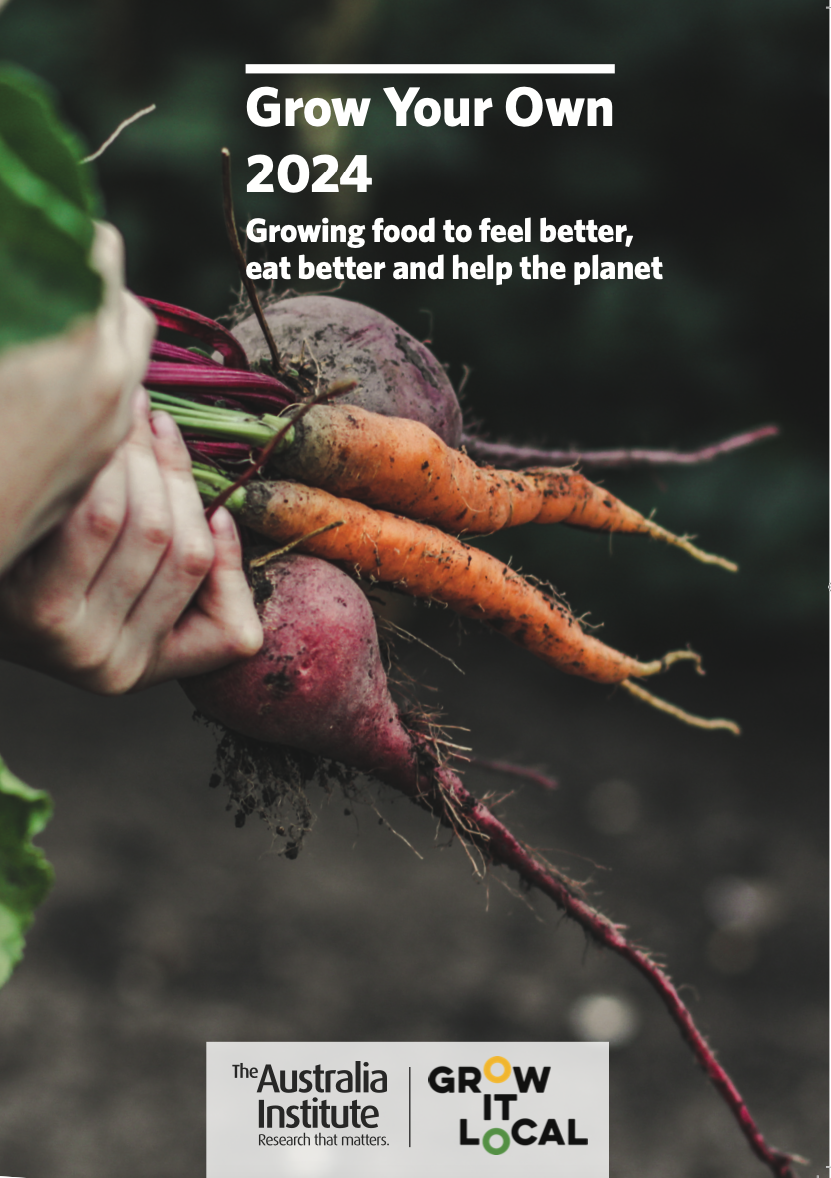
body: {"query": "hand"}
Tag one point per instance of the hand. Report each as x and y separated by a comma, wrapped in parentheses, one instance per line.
(134, 587)
(65, 406)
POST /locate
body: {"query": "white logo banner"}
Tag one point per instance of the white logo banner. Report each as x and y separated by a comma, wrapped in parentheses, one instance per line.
(460, 1110)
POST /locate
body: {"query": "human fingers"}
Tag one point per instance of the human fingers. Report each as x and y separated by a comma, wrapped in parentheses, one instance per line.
(145, 533)
(47, 588)
(222, 624)
(190, 552)
(102, 594)
(65, 607)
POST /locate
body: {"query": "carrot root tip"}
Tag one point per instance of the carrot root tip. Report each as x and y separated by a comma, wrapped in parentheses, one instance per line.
(686, 545)
(685, 717)
(657, 666)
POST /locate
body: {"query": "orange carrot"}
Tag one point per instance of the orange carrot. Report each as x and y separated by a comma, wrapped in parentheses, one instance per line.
(425, 562)
(403, 466)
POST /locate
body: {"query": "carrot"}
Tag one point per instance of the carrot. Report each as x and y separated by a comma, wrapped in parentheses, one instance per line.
(425, 562)
(403, 466)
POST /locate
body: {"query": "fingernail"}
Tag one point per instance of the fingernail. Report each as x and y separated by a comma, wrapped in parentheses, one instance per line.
(163, 426)
(222, 524)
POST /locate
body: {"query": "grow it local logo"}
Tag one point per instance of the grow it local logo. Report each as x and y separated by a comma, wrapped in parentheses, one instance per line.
(497, 1070)
(547, 1103)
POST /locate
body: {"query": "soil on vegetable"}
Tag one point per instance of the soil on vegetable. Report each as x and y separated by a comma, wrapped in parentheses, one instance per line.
(271, 781)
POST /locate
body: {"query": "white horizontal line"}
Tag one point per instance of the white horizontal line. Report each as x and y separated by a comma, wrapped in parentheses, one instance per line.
(316, 69)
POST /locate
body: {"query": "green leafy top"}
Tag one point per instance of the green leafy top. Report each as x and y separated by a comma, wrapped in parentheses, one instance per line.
(25, 875)
(47, 202)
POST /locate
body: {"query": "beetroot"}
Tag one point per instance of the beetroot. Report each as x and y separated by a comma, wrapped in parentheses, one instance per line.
(397, 376)
(318, 683)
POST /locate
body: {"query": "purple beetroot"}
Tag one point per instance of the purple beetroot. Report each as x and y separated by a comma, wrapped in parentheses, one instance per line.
(397, 376)
(318, 683)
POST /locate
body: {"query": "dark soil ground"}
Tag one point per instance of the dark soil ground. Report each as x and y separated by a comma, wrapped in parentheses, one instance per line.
(168, 926)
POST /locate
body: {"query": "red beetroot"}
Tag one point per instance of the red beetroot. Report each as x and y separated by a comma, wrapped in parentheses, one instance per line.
(318, 683)
(397, 376)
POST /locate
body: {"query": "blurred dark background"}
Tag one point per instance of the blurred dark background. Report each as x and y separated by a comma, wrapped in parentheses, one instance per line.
(167, 926)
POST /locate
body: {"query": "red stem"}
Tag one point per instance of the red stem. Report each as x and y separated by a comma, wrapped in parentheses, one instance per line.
(249, 402)
(512, 770)
(217, 452)
(163, 351)
(505, 454)
(474, 821)
(200, 327)
(164, 375)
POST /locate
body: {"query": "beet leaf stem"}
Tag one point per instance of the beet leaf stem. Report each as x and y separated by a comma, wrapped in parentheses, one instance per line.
(218, 422)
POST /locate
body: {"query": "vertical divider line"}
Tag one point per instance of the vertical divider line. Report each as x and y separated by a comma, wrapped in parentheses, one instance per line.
(409, 1108)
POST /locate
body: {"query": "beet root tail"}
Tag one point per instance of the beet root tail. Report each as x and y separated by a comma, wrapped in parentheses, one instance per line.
(440, 790)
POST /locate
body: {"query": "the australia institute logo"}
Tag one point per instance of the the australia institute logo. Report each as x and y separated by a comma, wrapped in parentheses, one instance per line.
(502, 1104)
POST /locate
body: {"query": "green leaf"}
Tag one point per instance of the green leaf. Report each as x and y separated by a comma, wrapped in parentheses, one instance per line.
(25, 875)
(47, 200)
